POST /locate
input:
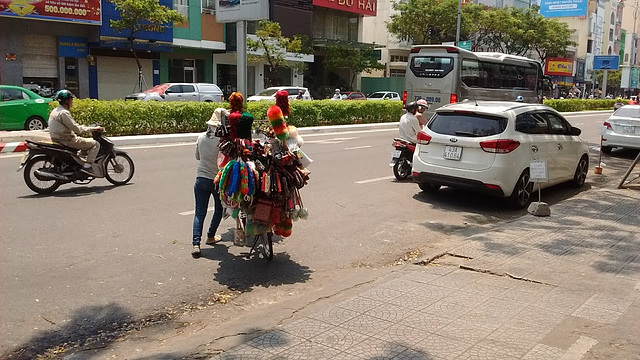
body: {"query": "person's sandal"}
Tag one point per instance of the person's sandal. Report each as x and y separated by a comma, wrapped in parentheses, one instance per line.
(195, 252)
(213, 240)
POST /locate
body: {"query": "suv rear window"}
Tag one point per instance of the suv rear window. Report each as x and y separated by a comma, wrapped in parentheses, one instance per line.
(470, 125)
(431, 66)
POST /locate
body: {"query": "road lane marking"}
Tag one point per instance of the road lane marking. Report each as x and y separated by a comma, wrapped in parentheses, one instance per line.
(375, 180)
(192, 212)
(348, 132)
(330, 141)
(358, 147)
(587, 115)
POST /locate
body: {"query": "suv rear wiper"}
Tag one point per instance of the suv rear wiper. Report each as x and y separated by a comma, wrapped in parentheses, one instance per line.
(465, 133)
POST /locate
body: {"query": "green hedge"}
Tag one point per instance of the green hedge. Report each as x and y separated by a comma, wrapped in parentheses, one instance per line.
(569, 105)
(121, 117)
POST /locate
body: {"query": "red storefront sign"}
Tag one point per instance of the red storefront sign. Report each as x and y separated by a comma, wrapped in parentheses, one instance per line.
(85, 11)
(364, 7)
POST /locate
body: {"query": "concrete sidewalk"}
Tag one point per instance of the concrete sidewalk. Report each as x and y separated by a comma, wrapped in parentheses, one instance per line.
(562, 287)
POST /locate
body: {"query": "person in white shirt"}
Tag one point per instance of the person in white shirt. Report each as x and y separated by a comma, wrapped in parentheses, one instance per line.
(409, 125)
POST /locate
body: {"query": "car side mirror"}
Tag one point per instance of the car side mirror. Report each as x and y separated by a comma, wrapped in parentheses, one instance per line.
(168, 91)
(575, 131)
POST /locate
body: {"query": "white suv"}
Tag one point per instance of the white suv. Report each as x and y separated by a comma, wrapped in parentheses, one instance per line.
(488, 145)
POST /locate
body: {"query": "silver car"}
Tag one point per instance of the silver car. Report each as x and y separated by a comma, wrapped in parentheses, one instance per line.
(202, 92)
(622, 129)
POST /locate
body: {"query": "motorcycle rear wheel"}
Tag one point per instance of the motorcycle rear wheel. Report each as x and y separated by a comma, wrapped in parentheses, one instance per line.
(401, 169)
(119, 169)
(39, 186)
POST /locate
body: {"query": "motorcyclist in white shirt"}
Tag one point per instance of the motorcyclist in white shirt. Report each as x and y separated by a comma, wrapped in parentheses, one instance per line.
(409, 125)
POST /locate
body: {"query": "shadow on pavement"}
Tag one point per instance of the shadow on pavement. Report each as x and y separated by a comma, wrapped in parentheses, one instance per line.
(76, 191)
(92, 328)
(239, 273)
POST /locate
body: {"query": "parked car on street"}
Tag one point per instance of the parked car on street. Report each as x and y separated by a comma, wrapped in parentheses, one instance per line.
(270, 93)
(202, 92)
(622, 129)
(384, 95)
(353, 95)
(21, 109)
(487, 146)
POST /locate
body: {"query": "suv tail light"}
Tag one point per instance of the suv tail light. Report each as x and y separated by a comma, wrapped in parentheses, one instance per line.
(452, 50)
(415, 50)
(424, 138)
(607, 125)
(404, 99)
(453, 98)
(501, 146)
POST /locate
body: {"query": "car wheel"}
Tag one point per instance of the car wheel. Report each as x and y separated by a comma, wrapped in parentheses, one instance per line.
(606, 149)
(521, 195)
(580, 175)
(35, 123)
(429, 187)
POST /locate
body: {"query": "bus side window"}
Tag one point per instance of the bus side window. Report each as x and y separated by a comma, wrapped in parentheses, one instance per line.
(471, 73)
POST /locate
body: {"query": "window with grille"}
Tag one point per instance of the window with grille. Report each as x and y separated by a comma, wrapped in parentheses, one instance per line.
(209, 7)
(181, 6)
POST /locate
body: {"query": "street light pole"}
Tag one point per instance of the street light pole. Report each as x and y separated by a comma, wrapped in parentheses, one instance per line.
(459, 20)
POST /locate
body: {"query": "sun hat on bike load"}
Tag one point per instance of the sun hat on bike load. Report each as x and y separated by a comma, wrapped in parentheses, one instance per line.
(64, 95)
(216, 118)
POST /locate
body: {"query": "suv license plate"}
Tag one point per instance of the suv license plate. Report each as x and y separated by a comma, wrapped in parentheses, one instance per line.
(452, 152)
(628, 130)
(395, 154)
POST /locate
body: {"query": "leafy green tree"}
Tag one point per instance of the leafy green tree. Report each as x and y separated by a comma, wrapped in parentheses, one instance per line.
(356, 60)
(547, 37)
(506, 30)
(140, 15)
(613, 80)
(272, 47)
(424, 21)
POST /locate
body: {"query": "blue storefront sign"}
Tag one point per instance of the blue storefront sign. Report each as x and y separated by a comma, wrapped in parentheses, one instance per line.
(563, 8)
(152, 37)
(606, 62)
(635, 72)
(75, 47)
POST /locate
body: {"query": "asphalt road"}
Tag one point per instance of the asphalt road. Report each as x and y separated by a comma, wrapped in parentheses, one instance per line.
(92, 255)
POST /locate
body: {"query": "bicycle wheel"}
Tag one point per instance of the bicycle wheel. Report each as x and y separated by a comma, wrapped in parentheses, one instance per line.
(266, 247)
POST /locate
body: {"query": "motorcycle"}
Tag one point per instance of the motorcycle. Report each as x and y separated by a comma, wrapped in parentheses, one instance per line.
(48, 165)
(402, 157)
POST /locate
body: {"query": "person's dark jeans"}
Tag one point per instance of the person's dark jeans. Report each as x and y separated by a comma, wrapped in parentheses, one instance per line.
(203, 190)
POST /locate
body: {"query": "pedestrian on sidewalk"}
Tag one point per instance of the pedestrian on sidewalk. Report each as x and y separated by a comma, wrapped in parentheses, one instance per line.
(207, 155)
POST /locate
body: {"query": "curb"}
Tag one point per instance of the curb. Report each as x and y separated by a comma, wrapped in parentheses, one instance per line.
(192, 137)
(13, 147)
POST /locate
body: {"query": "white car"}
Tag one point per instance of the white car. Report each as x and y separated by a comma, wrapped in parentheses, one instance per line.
(488, 146)
(270, 93)
(384, 95)
(202, 92)
(622, 129)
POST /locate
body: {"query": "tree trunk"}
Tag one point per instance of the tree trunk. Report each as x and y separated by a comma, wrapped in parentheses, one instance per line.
(135, 56)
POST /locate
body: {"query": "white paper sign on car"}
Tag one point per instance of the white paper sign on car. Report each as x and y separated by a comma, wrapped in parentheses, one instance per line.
(538, 171)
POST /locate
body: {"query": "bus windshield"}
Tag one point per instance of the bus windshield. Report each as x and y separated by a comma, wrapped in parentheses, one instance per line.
(431, 66)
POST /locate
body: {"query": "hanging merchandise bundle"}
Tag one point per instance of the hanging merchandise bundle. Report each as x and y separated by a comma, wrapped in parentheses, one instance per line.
(262, 180)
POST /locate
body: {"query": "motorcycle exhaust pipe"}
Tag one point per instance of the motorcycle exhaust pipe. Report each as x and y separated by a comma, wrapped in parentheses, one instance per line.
(46, 176)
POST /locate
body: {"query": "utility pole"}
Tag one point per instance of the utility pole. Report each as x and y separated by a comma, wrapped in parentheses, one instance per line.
(241, 70)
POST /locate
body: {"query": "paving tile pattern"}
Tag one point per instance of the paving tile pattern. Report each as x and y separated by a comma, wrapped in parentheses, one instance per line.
(583, 261)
